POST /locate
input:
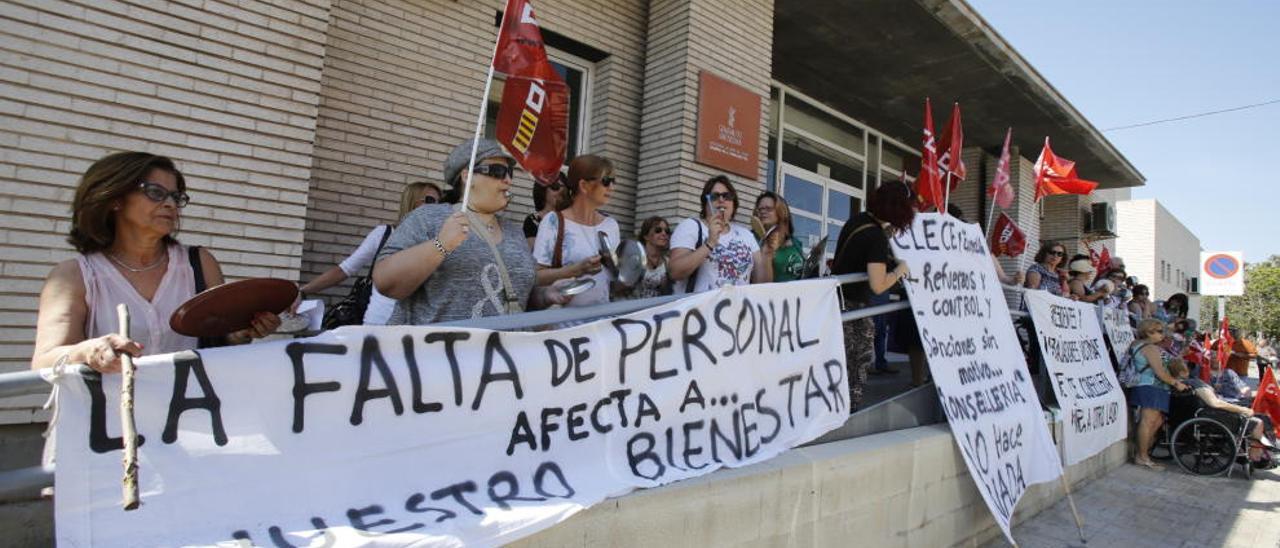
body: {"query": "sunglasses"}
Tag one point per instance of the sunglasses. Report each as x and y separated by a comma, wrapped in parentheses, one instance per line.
(555, 187)
(429, 200)
(607, 181)
(660, 230)
(497, 171)
(1058, 253)
(715, 196)
(159, 194)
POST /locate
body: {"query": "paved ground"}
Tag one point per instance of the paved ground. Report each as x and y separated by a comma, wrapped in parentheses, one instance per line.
(1134, 507)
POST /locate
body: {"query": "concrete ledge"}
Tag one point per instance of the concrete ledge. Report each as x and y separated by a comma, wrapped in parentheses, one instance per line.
(902, 488)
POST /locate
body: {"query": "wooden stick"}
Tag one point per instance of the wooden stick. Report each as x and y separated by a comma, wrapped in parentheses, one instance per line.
(1066, 486)
(127, 424)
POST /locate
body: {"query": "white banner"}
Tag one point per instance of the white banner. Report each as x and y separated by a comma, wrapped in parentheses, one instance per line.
(1116, 324)
(976, 361)
(1091, 399)
(418, 435)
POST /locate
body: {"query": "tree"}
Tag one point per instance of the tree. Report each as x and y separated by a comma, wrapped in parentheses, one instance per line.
(1259, 308)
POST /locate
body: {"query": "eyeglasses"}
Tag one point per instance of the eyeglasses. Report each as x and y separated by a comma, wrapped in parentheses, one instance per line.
(660, 230)
(607, 181)
(497, 171)
(159, 194)
(716, 196)
(429, 200)
(555, 187)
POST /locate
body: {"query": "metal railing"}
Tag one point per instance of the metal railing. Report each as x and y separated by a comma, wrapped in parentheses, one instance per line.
(25, 481)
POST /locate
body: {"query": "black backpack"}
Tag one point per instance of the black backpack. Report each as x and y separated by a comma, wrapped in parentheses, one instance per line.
(350, 310)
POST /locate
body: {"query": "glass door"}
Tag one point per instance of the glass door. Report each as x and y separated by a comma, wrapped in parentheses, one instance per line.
(819, 205)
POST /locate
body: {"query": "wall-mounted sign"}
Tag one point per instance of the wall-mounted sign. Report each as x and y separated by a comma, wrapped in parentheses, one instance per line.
(1222, 273)
(728, 126)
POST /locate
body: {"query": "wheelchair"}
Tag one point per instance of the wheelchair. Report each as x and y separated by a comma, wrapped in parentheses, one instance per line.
(1202, 440)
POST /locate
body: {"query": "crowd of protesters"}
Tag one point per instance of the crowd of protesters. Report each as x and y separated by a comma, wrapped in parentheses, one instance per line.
(442, 261)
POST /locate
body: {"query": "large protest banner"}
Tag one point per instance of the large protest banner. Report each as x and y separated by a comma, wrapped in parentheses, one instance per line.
(976, 361)
(418, 435)
(1116, 324)
(1081, 375)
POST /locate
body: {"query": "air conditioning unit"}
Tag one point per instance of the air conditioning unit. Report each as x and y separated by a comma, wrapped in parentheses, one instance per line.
(1101, 220)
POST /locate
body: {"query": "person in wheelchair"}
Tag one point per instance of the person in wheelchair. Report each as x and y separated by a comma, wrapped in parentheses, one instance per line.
(1232, 415)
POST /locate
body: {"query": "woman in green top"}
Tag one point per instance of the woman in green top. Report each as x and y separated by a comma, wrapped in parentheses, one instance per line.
(788, 256)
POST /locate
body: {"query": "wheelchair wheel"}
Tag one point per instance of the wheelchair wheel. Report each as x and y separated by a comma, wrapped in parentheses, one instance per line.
(1204, 447)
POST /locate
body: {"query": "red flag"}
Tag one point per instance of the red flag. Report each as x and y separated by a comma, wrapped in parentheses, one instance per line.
(533, 121)
(928, 185)
(1007, 239)
(1101, 260)
(949, 145)
(1001, 191)
(1201, 358)
(1268, 398)
(1225, 342)
(1056, 175)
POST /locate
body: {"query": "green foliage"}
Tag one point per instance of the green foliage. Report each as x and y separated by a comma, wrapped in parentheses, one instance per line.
(1259, 308)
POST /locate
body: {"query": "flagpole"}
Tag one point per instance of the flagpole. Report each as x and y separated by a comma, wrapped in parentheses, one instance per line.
(991, 215)
(946, 193)
(484, 109)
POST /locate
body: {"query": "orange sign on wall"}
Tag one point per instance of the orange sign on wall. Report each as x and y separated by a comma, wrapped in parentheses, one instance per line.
(728, 126)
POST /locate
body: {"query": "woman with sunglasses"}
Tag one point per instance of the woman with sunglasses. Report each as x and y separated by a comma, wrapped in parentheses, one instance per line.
(711, 251)
(547, 199)
(655, 235)
(568, 243)
(455, 261)
(124, 216)
(1043, 274)
(379, 309)
(788, 255)
(1140, 306)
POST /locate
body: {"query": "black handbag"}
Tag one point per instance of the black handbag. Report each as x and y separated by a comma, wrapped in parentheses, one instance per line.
(350, 310)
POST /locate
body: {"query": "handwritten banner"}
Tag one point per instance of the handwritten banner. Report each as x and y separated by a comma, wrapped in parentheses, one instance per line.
(1119, 332)
(1091, 398)
(976, 361)
(405, 435)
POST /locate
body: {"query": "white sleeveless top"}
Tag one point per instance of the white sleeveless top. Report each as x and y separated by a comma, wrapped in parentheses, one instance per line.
(105, 287)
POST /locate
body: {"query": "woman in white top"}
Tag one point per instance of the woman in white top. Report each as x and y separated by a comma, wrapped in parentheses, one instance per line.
(712, 251)
(380, 307)
(124, 217)
(573, 250)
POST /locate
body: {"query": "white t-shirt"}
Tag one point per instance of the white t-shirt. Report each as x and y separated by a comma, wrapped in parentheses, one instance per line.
(580, 243)
(380, 306)
(730, 262)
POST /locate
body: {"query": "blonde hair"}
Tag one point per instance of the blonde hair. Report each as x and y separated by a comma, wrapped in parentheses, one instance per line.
(1149, 326)
(411, 196)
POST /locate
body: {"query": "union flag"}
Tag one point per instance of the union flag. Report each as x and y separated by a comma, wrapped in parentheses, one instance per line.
(1056, 175)
(533, 121)
(928, 183)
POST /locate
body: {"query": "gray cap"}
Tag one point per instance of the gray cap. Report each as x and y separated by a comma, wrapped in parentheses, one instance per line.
(461, 155)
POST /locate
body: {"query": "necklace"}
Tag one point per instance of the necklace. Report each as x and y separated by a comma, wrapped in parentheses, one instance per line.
(159, 261)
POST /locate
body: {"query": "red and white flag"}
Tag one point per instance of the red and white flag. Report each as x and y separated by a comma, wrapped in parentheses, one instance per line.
(1268, 398)
(1001, 191)
(928, 183)
(1225, 342)
(949, 149)
(1056, 175)
(1007, 239)
(533, 121)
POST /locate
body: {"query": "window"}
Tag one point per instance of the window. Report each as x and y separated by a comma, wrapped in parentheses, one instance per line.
(577, 73)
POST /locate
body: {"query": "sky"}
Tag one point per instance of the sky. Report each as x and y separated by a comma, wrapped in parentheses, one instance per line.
(1129, 62)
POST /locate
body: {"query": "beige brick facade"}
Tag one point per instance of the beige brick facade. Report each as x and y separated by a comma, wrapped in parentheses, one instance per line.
(228, 89)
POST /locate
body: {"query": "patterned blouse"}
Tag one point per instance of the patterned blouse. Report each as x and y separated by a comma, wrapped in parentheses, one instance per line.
(1049, 281)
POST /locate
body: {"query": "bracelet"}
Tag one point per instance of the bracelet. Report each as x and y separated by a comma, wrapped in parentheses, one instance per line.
(444, 253)
(707, 244)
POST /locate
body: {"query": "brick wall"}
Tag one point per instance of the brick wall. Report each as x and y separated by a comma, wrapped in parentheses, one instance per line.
(402, 84)
(685, 37)
(228, 89)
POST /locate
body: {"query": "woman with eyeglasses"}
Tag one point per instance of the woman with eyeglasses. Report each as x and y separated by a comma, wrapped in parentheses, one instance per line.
(712, 251)
(124, 218)
(655, 235)
(547, 199)
(788, 255)
(569, 242)
(1043, 274)
(379, 309)
(455, 261)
